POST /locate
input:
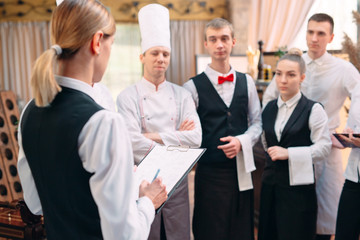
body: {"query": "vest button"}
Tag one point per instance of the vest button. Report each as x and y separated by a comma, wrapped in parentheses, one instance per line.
(229, 114)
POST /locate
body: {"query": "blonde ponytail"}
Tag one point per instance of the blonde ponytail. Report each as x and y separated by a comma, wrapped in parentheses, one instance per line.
(43, 84)
(73, 24)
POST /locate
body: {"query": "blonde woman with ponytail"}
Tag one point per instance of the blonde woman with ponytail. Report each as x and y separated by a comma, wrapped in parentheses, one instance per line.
(295, 137)
(75, 159)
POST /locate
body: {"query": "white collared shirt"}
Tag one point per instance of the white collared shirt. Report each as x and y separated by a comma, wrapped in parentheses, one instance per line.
(285, 109)
(105, 150)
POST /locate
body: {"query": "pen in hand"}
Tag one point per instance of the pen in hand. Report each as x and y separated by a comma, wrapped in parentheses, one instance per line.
(156, 174)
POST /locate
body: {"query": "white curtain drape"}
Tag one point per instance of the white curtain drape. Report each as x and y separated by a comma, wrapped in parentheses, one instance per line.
(187, 40)
(20, 44)
(276, 22)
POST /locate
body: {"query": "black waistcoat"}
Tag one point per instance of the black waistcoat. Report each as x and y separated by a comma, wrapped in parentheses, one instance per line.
(296, 133)
(218, 120)
(50, 141)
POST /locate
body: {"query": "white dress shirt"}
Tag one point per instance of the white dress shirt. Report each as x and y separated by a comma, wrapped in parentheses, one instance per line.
(245, 159)
(162, 110)
(301, 159)
(105, 150)
(328, 80)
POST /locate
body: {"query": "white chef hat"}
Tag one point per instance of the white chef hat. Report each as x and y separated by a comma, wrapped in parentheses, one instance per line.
(58, 2)
(154, 26)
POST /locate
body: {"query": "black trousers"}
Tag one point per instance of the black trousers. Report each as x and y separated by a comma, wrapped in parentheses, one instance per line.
(348, 218)
(221, 211)
(287, 212)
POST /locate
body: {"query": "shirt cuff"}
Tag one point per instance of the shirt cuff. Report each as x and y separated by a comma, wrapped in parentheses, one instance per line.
(146, 206)
(301, 169)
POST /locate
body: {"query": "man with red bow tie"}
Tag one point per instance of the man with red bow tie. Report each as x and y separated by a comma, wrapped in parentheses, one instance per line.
(230, 115)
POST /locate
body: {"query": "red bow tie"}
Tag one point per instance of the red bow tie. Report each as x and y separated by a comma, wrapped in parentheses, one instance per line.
(228, 78)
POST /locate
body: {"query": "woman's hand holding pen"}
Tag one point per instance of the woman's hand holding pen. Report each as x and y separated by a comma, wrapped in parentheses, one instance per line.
(156, 191)
(278, 153)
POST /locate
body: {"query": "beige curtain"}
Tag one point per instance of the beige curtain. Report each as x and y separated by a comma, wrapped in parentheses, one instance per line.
(20, 44)
(187, 40)
(276, 22)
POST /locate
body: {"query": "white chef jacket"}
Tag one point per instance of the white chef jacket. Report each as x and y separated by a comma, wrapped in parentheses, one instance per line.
(103, 96)
(329, 80)
(244, 159)
(105, 150)
(162, 110)
(301, 159)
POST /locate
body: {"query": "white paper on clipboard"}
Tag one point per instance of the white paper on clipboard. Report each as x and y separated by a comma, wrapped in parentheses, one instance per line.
(174, 162)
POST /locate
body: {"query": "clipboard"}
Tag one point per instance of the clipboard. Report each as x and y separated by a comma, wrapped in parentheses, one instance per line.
(345, 143)
(174, 162)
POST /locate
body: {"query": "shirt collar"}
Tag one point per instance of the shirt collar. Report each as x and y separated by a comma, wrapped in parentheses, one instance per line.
(289, 103)
(213, 75)
(76, 84)
(319, 61)
(150, 87)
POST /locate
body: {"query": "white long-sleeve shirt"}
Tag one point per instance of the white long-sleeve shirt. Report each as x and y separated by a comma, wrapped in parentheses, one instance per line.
(301, 159)
(105, 150)
(162, 110)
(245, 159)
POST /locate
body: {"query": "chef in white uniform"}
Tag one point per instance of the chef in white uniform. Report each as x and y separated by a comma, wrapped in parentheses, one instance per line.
(329, 80)
(160, 112)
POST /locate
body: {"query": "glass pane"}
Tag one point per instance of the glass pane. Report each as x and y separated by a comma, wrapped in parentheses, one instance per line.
(124, 67)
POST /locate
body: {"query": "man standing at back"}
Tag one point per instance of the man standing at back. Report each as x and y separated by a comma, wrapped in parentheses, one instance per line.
(230, 115)
(160, 112)
(329, 80)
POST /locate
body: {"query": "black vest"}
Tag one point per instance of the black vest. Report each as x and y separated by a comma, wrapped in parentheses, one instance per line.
(50, 141)
(218, 120)
(296, 133)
